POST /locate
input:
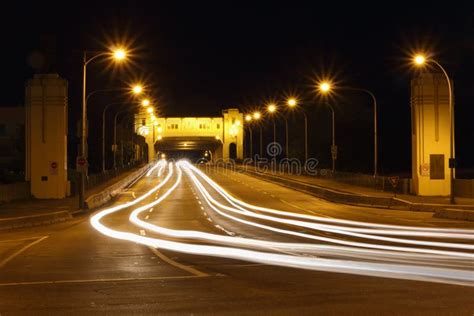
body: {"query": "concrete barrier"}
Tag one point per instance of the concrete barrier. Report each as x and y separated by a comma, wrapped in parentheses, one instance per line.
(106, 195)
(458, 214)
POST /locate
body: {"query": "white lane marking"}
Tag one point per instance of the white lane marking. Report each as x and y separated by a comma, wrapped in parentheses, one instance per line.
(147, 217)
(225, 230)
(142, 232)
(133, 194)
(151, 210)
(209, 219)
(178, 277)
(193, 271)
(199, 202)
(304, 209)
(18, 252)
(21, 239)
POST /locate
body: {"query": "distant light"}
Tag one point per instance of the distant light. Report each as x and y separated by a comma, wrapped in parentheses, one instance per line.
(324, 86)
(257, 115)
(160, 137)
(137, 89)
(206, 154)
(217, 137)
(119, 54)
(237, 123)
(271, 108)
(163, 156)
(291, 102)
(419, 59)
(160, 129)
(145, 102)
(248, 118)
(149, 110)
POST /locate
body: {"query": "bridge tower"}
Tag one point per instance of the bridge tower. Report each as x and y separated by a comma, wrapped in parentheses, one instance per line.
(431, 137)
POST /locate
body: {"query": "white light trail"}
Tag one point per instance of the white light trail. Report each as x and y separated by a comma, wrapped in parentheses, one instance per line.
(444, 275)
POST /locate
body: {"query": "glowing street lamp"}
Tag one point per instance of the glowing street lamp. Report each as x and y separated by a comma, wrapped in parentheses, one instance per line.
(150, 110)
(420, 61)
(325, 87)
(257, 115)
(117, 55)
(293, 103)
(248, 118)
(145, 102)
(272, 108)
(137, 89)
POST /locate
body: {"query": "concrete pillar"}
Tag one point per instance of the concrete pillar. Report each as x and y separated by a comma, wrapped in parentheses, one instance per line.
(431, 138)
(46, 136)
(233, 132)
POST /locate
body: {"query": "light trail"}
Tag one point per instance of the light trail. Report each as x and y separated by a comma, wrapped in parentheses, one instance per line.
(160, 164)
(444, 275)
(339, 229)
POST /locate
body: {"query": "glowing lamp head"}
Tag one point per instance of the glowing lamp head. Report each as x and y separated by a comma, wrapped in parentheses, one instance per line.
(137, 89)
(120, 54)
(419, 60)
(163, 156)
(160, 137)
(324, 87)
(257, 115)
(248, 118)
(145, 102)
(237, 123)
(218, 137)
(291, 102)
(149, 110)
(271, 108)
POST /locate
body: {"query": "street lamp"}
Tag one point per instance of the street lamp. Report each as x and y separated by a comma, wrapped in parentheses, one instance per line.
(421, 60)
(248, 119)
(293, 103)
(325, 88)
(257, 116)
(137, 89)
(118, 55)
(145, 102)
(272, 108)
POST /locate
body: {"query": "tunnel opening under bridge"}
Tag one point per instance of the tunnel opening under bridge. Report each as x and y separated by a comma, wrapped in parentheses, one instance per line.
(195, 149)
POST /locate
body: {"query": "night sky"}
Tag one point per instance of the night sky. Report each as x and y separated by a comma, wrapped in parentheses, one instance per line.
(200, 58)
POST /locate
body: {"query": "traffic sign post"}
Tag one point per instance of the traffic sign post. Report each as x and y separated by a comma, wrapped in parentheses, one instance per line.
(81, 164)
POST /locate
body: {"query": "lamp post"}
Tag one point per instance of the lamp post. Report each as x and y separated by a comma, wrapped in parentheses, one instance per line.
(325, 88)
(421, 60)
(118, 55)
(257, 116)
(248, 119)
(272, 108)
(293, 103)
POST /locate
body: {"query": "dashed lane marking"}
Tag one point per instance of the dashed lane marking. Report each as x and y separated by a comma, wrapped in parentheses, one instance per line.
(193, 271)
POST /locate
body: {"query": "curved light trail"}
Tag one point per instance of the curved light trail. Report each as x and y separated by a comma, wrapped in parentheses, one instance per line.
(401, 271)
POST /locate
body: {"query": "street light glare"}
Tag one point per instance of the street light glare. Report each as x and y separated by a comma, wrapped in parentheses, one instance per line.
(146, 102)
(248, 118)
(137, 89)
(271, 108)
(419, 59)
(119, 54)
(324, 86)
(291, 102)
(257, 115)
(149, 110)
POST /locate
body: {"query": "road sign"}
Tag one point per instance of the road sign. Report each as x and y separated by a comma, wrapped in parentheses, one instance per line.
(53, 168)
(425, 169)
(394, 181)
(81, 164)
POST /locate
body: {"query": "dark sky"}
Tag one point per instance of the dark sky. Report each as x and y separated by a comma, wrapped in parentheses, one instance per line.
(200, 57)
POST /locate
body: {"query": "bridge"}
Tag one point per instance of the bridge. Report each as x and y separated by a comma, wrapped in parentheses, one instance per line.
(222, 136)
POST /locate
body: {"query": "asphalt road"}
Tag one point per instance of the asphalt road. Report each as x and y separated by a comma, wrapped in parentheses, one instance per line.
(71, 268)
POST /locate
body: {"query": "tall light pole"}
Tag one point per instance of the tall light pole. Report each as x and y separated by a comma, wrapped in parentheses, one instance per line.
(136, 89)
(248, 120)
(421, 60)
(325, 88)
(257, 116)
(293, 103)
(272, 108)
(118, 55)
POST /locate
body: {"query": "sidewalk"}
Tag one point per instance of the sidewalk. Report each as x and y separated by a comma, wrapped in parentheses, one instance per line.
(362, 196)
(33, 212)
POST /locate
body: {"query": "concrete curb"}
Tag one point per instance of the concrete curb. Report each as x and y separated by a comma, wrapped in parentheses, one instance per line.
(34, 220)
(107, 194)
(357, 200)
(458, 214)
